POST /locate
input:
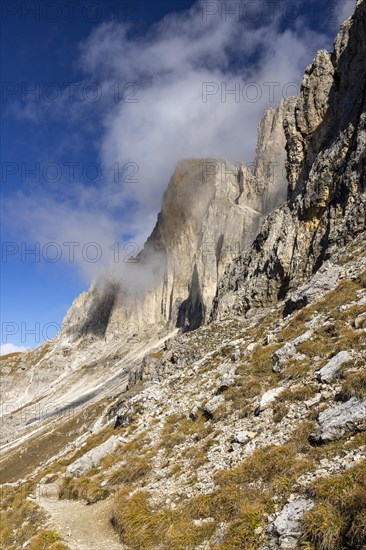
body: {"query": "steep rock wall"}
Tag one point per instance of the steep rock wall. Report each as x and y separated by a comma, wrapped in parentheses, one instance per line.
(326, 165)
(210, 212)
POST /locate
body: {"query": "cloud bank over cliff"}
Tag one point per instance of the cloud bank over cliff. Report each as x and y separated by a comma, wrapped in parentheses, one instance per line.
(193, 85)
(202, 82)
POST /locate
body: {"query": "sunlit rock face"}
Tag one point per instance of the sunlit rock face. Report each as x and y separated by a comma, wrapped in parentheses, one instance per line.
(326, 167)
(211, 212)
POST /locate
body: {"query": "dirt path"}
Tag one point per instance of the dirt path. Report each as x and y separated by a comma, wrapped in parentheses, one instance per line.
(82, 527)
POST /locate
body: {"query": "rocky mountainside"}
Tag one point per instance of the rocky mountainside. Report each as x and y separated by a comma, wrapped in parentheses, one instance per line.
(210, 212)
(213, 394)
(326, 169)
(245, 433)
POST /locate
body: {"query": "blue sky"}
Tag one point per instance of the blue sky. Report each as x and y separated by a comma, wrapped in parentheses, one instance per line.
(99, 101)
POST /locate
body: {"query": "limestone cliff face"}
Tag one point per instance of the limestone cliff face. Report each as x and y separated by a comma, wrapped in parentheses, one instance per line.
(326, 166)
(273, 226)
(271, 154)
(210, 212)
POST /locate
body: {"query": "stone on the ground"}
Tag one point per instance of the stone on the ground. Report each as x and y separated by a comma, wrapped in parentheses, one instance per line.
(360, 321)
(289, 351)
(213, 404)
(333, 368)
(323, 281)
(250, 347)
(193, 413)
(288, 522)
(227, 380)
(341, 420)
(241, 437)
(268, 398)
(92, 458)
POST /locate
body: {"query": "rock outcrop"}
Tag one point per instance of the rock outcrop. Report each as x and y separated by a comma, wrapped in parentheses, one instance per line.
(326, 167)
(288, 522)
(271, 157)
(333, 368)
(93, 457)
(336, 422)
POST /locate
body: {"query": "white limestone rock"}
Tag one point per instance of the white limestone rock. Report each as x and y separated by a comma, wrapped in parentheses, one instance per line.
(288, 522)
(268, 398)
(333, 368)
(92, 458)
(341, 420)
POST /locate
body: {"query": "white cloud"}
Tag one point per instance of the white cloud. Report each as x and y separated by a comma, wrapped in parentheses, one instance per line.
(170, 65)
(78, 234)
(11, 348)
(343, 9)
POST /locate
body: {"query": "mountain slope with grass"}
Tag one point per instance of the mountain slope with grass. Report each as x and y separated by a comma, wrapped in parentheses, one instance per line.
(224, 438)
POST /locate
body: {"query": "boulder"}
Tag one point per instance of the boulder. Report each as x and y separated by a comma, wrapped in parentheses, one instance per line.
(227, 380)
(313, 401)
(288, 522)
(289, 351)
(267, 398)
(243, 437)
(360, 321)
(339, 421)
(92, 458)
(212, 405)
(193, 413)
(324, 280)
(250, 347)
(333, 368)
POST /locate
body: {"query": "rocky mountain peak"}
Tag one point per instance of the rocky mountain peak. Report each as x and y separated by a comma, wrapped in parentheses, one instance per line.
(210, 212)
(310, 151)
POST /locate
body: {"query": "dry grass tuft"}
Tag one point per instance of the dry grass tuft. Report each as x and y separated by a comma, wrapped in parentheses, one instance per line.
(47, 540)
(178, 428)
(270, 465)
(10, 355)
(20, 522)
(132, 471)
(141, 526)
(262, 358)
(297, 394)
(338, 519)
(354, 384)
(83, 488)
